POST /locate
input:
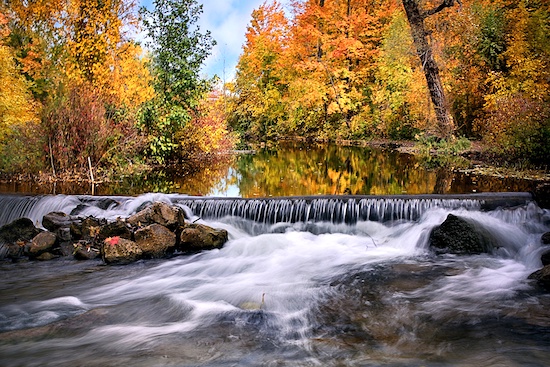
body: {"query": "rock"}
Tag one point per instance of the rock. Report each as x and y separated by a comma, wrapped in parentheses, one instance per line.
(56, 220)
(15, 251)
(66, 248)
(45, 256)
(118, 228)
(460, 236)
(159, 213)
(21, 229)
(542, 277)
(541, 194)
(41, 243)
(85, 251)
(545, 257)
(155, 240)
(116, 250)
(88, 229)
(197, 237)
(545, 239)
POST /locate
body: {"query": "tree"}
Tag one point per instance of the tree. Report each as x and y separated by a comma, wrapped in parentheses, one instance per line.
(178, 50)
(259, 83)
(416, 17)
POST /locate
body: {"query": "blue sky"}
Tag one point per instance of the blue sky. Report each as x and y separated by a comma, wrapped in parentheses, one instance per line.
(227, 21)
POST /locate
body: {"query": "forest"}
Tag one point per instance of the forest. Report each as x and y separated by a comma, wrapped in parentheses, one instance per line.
(82, 91)
(352, 69)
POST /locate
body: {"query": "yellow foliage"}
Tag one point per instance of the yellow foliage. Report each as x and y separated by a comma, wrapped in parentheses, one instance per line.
(16, 104)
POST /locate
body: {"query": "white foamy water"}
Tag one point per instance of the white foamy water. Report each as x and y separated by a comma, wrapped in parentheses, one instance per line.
(292, 294)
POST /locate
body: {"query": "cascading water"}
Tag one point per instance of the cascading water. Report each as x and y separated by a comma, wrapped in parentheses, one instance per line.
(334, 281)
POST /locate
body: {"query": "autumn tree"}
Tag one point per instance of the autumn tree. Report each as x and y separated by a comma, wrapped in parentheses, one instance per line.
(259, 85)
(416, 17)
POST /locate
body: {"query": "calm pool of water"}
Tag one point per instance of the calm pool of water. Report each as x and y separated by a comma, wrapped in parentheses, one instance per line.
(297, 169)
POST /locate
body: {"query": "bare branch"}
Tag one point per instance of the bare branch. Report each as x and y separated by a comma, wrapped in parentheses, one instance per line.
(443, 5)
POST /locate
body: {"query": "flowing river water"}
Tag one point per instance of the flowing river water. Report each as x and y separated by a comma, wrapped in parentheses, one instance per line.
(355, 285)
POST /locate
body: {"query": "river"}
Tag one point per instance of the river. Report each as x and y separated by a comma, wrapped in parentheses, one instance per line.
(354, 286)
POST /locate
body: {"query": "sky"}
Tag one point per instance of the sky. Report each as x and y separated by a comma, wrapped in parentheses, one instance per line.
(227, 21)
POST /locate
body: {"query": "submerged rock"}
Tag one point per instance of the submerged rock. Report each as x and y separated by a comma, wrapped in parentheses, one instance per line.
(197, 237)
(460, 236)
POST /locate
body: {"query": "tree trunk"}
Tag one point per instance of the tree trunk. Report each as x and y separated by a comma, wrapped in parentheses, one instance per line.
(445, 124)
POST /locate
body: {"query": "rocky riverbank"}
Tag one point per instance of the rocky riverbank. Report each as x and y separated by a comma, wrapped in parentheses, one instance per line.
(157, 231)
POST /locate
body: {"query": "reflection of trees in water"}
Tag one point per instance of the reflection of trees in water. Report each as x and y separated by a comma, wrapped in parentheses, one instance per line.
(331, 170)
(292, 170)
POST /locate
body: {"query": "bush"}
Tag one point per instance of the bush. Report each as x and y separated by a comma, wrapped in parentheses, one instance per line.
(518, 127)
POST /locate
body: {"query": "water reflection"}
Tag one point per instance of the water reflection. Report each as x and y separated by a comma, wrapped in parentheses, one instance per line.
(298, 169)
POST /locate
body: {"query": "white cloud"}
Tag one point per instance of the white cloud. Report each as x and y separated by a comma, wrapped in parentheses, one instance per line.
(227, 21)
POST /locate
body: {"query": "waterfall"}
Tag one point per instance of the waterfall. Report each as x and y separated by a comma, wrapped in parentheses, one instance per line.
(333, 209)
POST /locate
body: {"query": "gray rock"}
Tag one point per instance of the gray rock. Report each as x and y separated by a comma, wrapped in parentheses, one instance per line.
(155, 241)
(56, 220)
(460, 236)
(545, 239)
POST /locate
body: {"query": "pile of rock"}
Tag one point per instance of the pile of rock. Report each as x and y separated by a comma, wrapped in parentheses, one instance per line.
(157, 231)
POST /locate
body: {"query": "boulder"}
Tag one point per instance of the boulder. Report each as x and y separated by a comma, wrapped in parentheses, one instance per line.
(460, 236)
(545, 238)
(160, 213)
(155, 241)
(88, 229)
(197, 237)
(55, 220)
(21, 229)
(41, 243)
(118, 228)
(542, 277)
(117, 250)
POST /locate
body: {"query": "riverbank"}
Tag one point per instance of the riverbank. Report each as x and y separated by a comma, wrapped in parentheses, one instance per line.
(305, 167)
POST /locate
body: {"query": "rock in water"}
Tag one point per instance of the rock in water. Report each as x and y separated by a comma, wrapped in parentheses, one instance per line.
(197, 237)
(41, 243)
(460, 236)
(542, 277)
(117, 250)
(159, 213)
(155, 240)
(21, 229)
